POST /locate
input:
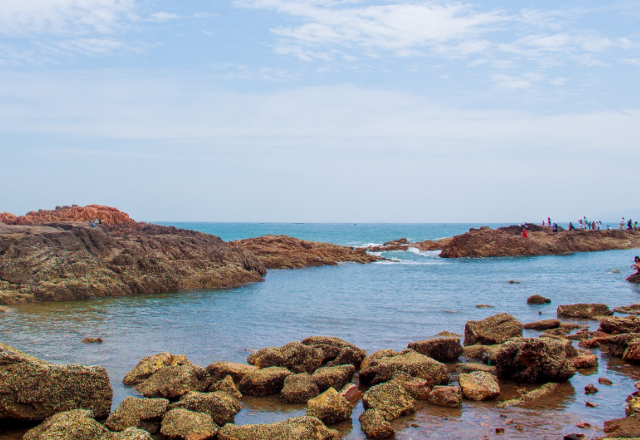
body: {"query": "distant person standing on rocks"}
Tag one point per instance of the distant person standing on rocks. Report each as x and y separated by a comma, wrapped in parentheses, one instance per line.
(635, 225)
(629, 223)
(571, 227)
(622, 223)
(555, 227)
(549, 221)
(524, 231)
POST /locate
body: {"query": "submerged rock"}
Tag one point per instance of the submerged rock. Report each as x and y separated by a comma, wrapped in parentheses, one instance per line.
(582, 310)
(479, 385)
(295, 356)
(330, 407)
(219, 405)
(297, 428)
(333, 377)
(180, 423)
(390, 399)
(150, 364)
(299, 388)
(408, 361)
(493, 330)
(441, 349)
(32, 389)
(175, 381)
(138, 413)
(531, 395)
(536, 360)
(375, 425)
(264, 382)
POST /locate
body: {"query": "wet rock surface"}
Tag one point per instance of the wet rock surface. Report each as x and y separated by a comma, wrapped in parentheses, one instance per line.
(538, 300)
(175, 381)
(295, 356)
(447, 396)
(545, 324)
(378, 370)
(150, 364)
(617, 325)
(479, 385)
(390, 399)
(299, 388)
(228, 386)
(264, 382)
(33, 390)
(218, 370)
(336, 351)
(183, 424)
(441, 349)
(333, 377)
(330, 407)
(492, 330)
(297, 428)
(375, 425)
(472, 366)
(534, 360)
(419, 389)
(219, 405)
(624, 427)
(582, 310)
(134, 412)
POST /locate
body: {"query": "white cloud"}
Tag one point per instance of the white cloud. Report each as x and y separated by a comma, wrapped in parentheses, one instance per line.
(20, 17)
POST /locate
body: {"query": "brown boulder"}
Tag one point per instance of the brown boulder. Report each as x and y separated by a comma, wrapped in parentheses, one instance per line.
(333, 377)
(32, 389)
(537, 300)
(624, 427)
(582, 310)
(299, 388)
(295, 356)
(407, 361)
(618, 344)
(228, 386)
(545, 324)
(175, 381)
(219, 405)
(377, 355)
(375, 426)
(264, 382)
(336, 351)
(330, 407)
(585, 361)
(450, 397)
(479, 385)
(632, 352)
(493, 330)
(419, 389)
(150, 364)
(183, 424)
(390, 399)
(535, 360)
(134, 412)
(440, 349)
(297, 428)
(617, 325)
(218, 370)
(471, 367)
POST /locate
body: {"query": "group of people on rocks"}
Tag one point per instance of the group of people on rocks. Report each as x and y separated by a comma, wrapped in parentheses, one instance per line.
(585, 224)
(630, 224)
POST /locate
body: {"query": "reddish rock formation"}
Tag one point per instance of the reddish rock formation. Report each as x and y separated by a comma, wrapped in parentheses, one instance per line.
(72, 260)
(284, 252)
(108, 216)
(403, 245)
(508, 242)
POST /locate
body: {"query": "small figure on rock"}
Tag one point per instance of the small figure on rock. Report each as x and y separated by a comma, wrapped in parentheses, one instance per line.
(555, 228)
(636, 264)
(571, 227)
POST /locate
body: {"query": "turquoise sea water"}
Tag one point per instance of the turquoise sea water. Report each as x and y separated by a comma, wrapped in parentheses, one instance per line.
(382, 305)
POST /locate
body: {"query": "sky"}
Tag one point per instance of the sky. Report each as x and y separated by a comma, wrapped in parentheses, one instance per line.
(321, 110)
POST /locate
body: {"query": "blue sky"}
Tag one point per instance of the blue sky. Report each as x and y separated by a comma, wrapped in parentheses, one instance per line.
(319, 110)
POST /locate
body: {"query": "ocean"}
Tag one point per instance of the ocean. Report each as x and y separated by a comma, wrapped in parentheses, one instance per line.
(381, 305)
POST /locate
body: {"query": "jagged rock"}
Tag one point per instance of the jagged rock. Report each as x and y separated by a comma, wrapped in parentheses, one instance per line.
(295, 356)
(330, 407)
(440, 349)
(150, 364)
(493, 330)
(624, 427)
(228, 386)
(408, 361)
(219, 405)
(471, 367)
(447, 396)
(582, 310)
(79, 424)
(479, 385)
(138, 413)
(617, 325)
(264, 382)
(299, 388)
(333, 377)
(375, 426)
(175, 381)
(537, 300)
(536, 360)
(336, 351)
(297, 428)
(390, 399)
(218, 370)
(632, 405)
(419, 389)
(545, 324)
(32, 389)
(181, 423)
(618, 344)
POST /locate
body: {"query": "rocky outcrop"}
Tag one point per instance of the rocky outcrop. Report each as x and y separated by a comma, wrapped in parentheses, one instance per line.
(182, 424)
(479, 385)
(297, 428)
(175, 381)
(299, 388)
(534, 360)
(228, 386)
(440, 349)
(492, 330)
(333, 377)
(403, 244)
(336, 351)
(218, 370)
(150, 364)
(508, 242)
(32, 390)
(330, 407)
(419, 389)
(471, 367)
(617, 325)
(383, 369)
(582, 310)
(390, 399)
(538, 300)
(295, 356)
(375, 426)
(80, 425)
(106, 215)
(219, 405)
(73, 260)
(134, 412)
(545, 324)
(284, 252)
(264, 382)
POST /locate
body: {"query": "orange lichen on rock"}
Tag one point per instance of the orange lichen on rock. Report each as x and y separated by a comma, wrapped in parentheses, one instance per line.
(106, 214)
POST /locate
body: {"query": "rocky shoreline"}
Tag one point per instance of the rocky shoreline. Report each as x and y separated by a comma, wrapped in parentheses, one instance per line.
(330, 376)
